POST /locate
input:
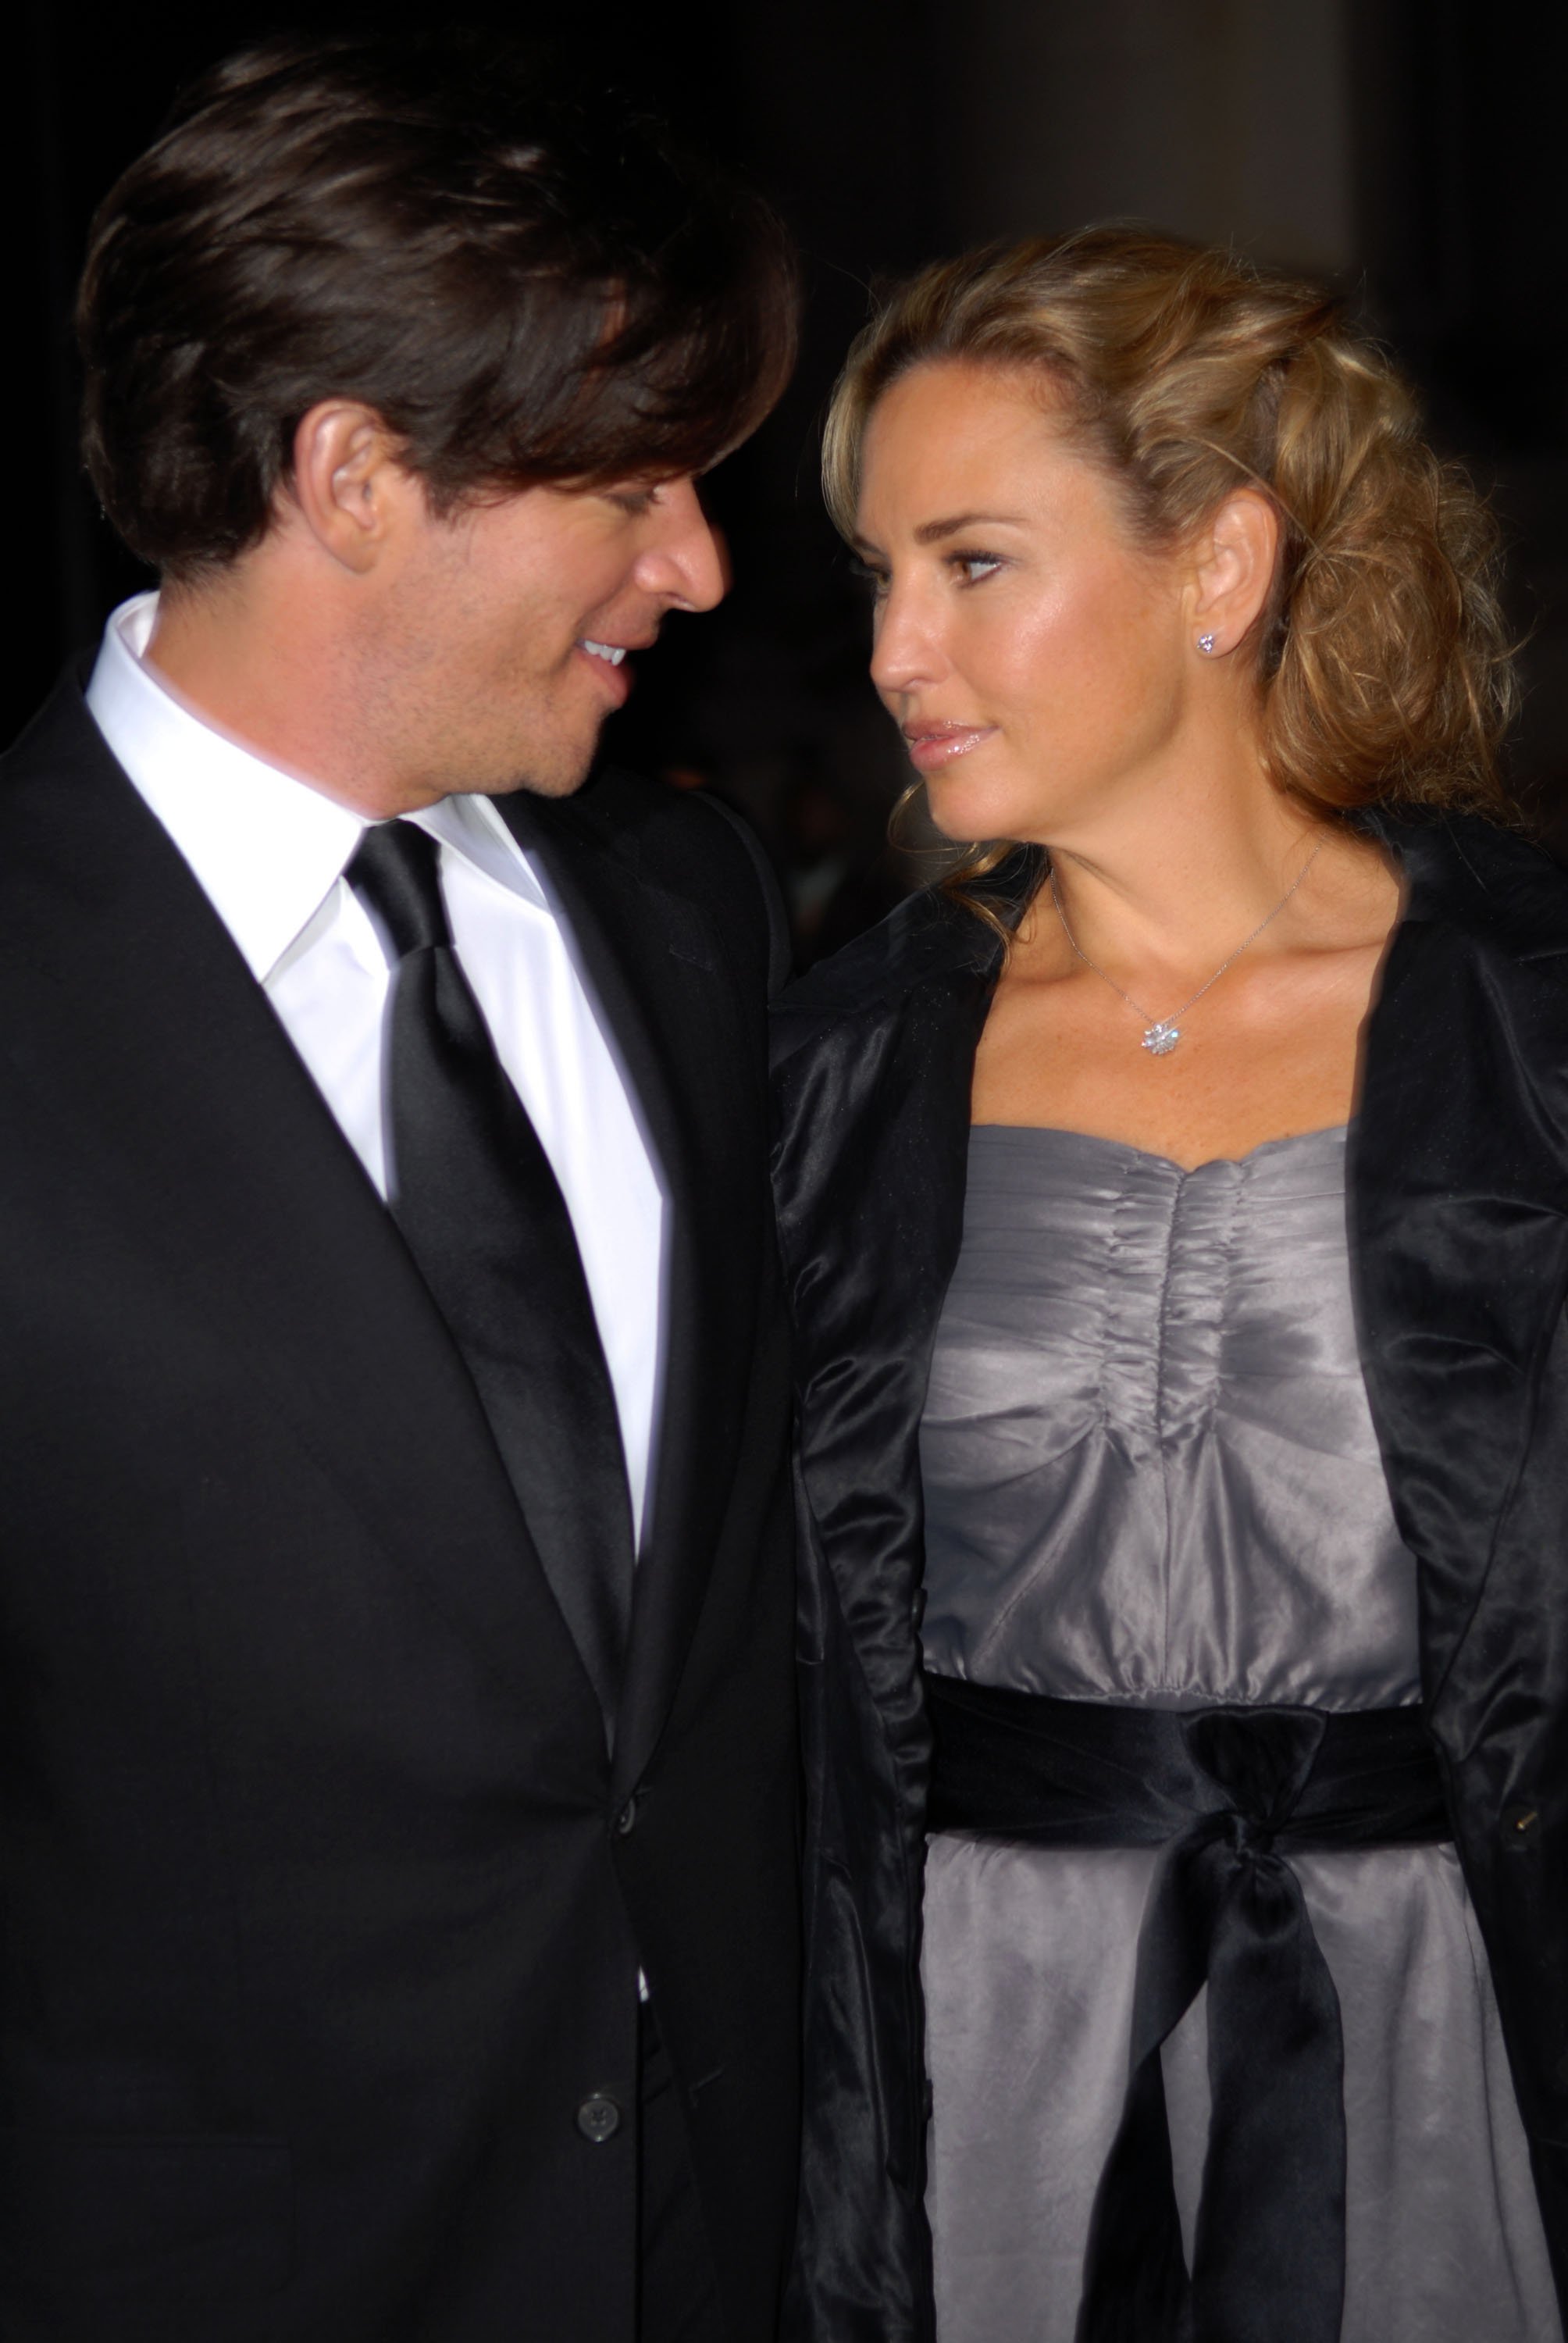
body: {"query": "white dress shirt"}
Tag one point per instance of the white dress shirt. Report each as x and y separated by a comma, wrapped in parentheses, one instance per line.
(269, 851)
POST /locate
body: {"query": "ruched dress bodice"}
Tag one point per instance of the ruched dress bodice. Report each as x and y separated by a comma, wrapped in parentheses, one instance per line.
(1150, 1476)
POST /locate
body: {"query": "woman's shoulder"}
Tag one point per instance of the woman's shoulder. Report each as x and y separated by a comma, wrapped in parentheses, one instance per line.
(927, 938)
(1481, 950)
(1491, 886)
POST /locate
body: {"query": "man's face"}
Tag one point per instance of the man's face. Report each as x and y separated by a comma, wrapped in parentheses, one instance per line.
(507, 629)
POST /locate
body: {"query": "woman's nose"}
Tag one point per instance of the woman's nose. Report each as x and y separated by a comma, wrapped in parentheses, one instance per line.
(905, 651)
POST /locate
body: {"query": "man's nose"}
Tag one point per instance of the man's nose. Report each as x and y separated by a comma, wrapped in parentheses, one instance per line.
(686, 561)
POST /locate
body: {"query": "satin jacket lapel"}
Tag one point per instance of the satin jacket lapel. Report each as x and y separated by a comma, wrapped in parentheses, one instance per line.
(1459, 1209)
(663, 993)
(873, 1065)
(228, 1162)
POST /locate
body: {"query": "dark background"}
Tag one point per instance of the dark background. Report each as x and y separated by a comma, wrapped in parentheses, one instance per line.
(1411, 151)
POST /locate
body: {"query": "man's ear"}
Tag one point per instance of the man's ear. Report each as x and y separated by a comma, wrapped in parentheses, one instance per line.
(1233, 571)
(348, 486)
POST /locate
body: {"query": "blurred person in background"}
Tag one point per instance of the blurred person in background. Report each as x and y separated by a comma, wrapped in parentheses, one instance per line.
(398, 1797)
(1175, 1211)
(836, 870)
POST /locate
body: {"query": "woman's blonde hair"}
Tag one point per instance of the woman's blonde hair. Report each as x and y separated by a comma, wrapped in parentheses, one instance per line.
(1382, 665)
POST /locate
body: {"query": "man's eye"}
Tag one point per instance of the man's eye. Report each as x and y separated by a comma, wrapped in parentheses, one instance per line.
(975, 566)
(635, 501)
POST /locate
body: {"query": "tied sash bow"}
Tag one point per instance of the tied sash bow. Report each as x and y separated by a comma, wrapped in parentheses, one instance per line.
(1228, 1795)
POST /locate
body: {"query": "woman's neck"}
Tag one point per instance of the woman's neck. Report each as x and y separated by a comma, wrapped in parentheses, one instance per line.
(1168, 883)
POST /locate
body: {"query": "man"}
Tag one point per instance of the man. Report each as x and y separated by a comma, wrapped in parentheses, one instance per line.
(396, 1760)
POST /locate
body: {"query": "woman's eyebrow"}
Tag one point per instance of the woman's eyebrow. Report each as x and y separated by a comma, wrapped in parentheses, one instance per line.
(929, 531)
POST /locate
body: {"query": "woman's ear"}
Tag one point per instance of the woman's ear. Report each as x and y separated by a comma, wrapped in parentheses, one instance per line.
(1233, 571)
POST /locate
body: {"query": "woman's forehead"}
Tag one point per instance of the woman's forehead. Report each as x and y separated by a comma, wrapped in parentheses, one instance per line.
(951, 439)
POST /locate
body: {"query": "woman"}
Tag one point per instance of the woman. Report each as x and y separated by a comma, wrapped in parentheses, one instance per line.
(1173, 1206)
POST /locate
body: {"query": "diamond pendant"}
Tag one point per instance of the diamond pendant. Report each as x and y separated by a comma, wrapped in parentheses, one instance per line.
(1162, 1039)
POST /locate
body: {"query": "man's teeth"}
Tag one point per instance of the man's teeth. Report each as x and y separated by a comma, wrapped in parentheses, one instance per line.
(614, 652)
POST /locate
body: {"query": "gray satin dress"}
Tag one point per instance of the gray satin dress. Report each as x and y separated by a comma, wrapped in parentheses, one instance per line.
(1150, 1475)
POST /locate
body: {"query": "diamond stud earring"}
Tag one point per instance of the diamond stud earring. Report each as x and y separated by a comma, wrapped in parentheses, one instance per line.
(1206, 645)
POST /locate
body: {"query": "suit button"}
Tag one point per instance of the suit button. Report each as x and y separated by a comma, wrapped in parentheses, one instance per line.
(1519, 1828)
(626, 1821)
(598, 2118)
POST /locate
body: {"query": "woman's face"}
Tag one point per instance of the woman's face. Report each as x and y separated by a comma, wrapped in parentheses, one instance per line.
(1037, 660)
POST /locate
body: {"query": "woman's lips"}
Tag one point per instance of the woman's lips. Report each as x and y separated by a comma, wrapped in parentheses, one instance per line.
(931, 745)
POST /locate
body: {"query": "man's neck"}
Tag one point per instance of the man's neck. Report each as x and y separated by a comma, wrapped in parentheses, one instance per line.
(274, 673)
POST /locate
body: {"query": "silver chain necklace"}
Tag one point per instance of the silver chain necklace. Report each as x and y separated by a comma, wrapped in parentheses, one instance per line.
(1160, 1034)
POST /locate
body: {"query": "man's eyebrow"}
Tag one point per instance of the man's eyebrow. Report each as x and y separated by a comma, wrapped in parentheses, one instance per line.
(931, 532)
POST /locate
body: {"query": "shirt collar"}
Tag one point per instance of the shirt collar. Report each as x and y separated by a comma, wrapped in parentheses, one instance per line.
(473, 827)
(267, 846)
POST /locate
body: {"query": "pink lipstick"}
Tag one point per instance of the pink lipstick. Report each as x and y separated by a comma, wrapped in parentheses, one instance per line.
(931, 745)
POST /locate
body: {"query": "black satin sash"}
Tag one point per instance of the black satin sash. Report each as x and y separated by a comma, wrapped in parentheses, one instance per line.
(1228, 1793)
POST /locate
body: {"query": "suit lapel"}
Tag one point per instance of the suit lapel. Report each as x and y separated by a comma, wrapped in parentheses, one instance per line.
(671, 1015)
(661, 990)
(1459, 1209)
(222, 1158)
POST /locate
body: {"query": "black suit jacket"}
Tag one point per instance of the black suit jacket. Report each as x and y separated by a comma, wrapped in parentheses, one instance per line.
(1458, 1227)
(321, 1905)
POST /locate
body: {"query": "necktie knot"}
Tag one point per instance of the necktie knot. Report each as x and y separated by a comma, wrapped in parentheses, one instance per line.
(395, 872)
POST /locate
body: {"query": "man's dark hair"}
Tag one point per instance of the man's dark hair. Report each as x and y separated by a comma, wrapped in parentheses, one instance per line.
(527, 285)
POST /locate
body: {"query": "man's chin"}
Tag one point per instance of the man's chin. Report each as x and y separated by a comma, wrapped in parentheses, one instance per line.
(542, 785)
(557, 776)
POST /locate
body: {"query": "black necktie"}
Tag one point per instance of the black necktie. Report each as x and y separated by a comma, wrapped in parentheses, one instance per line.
(474, 1196)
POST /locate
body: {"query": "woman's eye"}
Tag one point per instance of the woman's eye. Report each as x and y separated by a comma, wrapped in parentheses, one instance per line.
(874, 580)
(973, 567)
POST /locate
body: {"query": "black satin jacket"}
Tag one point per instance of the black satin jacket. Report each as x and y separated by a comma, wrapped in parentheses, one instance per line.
(1458, 1216)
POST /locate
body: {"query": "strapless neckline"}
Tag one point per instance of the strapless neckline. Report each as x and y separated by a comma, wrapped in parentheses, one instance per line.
(1326, 1134)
